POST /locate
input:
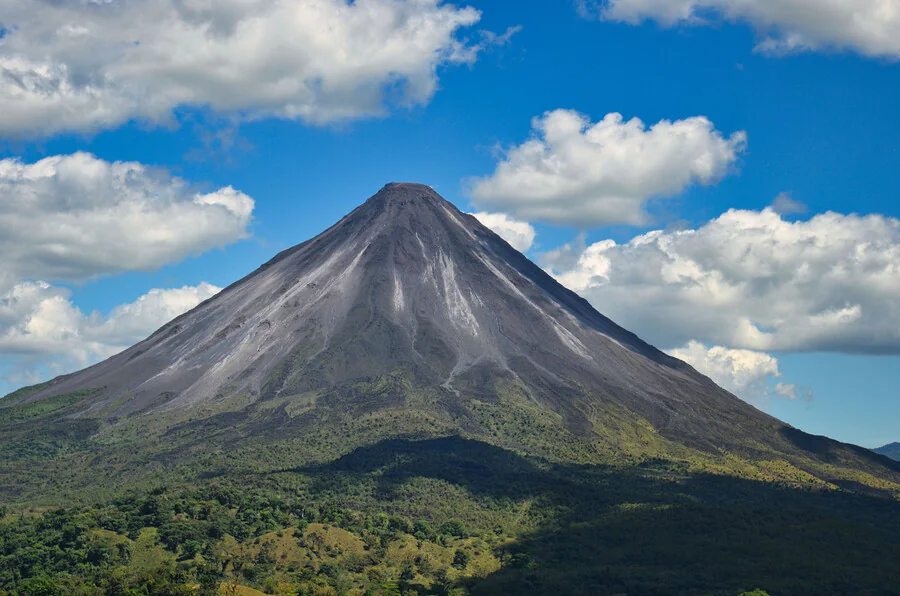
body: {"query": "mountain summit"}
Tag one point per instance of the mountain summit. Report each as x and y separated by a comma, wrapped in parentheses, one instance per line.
(409, 318)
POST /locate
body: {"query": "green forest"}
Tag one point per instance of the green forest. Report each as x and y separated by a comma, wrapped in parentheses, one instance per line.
(500, 499)
(455, 516)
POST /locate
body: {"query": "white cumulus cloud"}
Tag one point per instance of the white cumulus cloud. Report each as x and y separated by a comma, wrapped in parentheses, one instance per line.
(579, 173)
(519, 234)
(750, 280)
(869, 27)
(42, 333)
(784, 204)
(748, 374)
(87, 65)
(76, 217)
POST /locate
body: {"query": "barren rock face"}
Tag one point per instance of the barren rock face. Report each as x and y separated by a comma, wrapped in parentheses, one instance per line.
(408, 283)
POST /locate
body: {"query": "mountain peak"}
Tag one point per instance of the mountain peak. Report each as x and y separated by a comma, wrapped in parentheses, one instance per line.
(406, 192)
(412, 187)
(404, 199)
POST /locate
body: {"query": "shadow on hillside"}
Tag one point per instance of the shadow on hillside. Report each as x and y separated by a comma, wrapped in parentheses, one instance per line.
(648, 530)
(829, 450)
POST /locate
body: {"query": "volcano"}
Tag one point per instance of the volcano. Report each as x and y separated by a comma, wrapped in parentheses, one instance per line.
(406, 404)
(408, 307)
(407, 283)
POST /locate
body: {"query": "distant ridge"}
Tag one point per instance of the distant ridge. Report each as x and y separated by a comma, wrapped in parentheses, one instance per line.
(892, 451)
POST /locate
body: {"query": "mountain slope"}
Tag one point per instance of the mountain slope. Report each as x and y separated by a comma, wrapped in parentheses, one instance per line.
(892, 451)
(410, 318)
(406, 281)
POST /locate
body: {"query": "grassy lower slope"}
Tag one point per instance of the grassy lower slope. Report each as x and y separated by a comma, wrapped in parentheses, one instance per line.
(406, 494)
(460, 516)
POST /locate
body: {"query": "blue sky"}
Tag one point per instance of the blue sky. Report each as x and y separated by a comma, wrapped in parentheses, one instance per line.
(821, 124)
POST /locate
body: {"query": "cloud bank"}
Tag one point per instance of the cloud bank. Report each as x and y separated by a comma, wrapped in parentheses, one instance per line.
(519, 234)
(88, 65)
(76, 217)
(750, 280)
(752, 376)
(583, 174)
(869, 27)
(42, 333)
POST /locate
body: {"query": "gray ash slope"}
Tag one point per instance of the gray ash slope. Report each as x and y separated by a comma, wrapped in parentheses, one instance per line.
(406, 282)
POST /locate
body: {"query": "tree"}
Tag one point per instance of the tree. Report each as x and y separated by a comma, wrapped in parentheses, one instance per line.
(453, 527)
(461, 559)
(422, 530)
(408, 574)
(39, 586)
(190, 549)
